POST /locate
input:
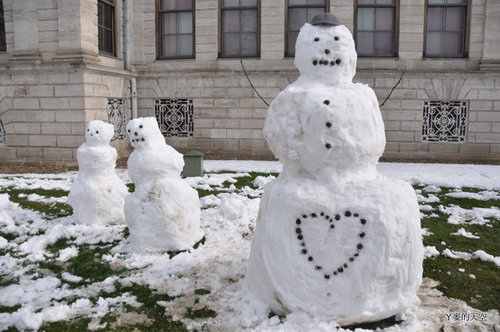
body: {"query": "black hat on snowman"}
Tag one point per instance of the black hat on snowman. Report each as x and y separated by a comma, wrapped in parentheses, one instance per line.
(325, 19)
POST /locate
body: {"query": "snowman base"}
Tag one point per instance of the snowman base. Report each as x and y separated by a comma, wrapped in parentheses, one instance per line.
(352, 255)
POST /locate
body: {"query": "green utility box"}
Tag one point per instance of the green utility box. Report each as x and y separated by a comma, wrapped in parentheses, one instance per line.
(193, 164)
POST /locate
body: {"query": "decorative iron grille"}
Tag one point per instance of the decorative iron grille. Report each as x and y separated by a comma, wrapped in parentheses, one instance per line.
(117, 115)
(444, 121)
(175, 117)
(2, 133)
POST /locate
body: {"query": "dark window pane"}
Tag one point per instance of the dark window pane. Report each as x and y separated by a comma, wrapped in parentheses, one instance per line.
(186, 45)
(436, 2)
(385, 2)
(231, 3)
(292, 39)
(384, 18)
(249, 20)
(434, 43)
(383, 42)
(107, 16)
(108, 41)
(184, 4)
(316, 2)
(250, 3)
(231, 43)
(169, 45)
(455, 2)
(297, 17)
(297, 2)
(435, 18)
(455, 18)
(453, 43)
(248, 43)
(366, 2)
(186, 22)
(99, 13)
(231, 21)
(169, 24)
(167, 4)
(366, 18)
(365, 43)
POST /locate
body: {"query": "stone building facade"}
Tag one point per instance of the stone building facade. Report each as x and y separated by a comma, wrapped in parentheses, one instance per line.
(63, 65)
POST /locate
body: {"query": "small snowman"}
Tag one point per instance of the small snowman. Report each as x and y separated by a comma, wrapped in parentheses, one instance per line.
(163, 214)
(334, 238)
(97, 195)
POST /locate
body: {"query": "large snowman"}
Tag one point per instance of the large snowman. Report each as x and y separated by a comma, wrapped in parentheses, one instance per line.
(334, 238)
(163, 214)
(97, 195)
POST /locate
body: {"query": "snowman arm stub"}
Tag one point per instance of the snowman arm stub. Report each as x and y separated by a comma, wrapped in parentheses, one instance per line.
(282, 128)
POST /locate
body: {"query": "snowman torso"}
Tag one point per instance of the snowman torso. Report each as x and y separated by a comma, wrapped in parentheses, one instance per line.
(333, 238)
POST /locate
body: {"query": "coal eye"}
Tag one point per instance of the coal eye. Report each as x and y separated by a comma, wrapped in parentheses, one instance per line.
(128, 130)
(88, 129)
(316, 39)
(336, 38)
(140, 126)
(97, 131)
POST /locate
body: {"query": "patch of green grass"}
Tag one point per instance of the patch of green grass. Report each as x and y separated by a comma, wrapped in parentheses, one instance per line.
(243, 181)
(52, 210)
(483, 292)
(9, 236)
(201, 291)
(76, 325)
(205, 192)
(60, 244)
(131, 187)
(9, 310)
(89, 265)
(199, 313)
(50, 265)
(196, 245)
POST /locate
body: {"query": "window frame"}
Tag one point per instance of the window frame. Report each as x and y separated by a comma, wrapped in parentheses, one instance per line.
(466, 30)
(395, 37)
(287, 21)
(159, 43)
(113, 27)
(220, 32)
(3, 44)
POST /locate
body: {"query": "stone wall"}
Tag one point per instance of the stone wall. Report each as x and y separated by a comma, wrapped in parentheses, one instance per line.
(53, 80)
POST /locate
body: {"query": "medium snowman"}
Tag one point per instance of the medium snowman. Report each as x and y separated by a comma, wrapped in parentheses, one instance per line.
(97, 194)
(334, 238)
(163, 213)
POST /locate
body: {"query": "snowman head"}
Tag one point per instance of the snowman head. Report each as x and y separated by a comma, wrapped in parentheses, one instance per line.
(325, 49)
(144, 133)
(99, 132)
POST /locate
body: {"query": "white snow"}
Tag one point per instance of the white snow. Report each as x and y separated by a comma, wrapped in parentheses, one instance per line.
(330, 228)
(67, 253)
(463, 232)
(482, 195)
(474, 216)
(484, 256)
(163, 213)
(430, 251)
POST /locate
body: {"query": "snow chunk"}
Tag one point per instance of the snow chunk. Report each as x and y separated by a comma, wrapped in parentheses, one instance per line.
(70, 277)
(482, 195)
(461, 270)
(260, 181)
(485, 257)
(456, 254)
(476, 216)
(466, 234)
(431, 198)
(432, 189)
(430, 251)
(67, 253)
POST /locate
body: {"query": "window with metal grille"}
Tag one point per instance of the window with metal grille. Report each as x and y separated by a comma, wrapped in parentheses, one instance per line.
(240, 28)
(445, 28)
(2, 133)
(376, 27)
(117, 115)
(106, 26)
(175, 117)
(444, 121)
(298, 12)
(175, 36)
(3, 43)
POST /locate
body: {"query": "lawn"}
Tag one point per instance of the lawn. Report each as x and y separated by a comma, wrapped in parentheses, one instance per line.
(56, 275)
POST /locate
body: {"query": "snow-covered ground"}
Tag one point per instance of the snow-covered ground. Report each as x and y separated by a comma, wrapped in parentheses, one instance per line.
(218, 266)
